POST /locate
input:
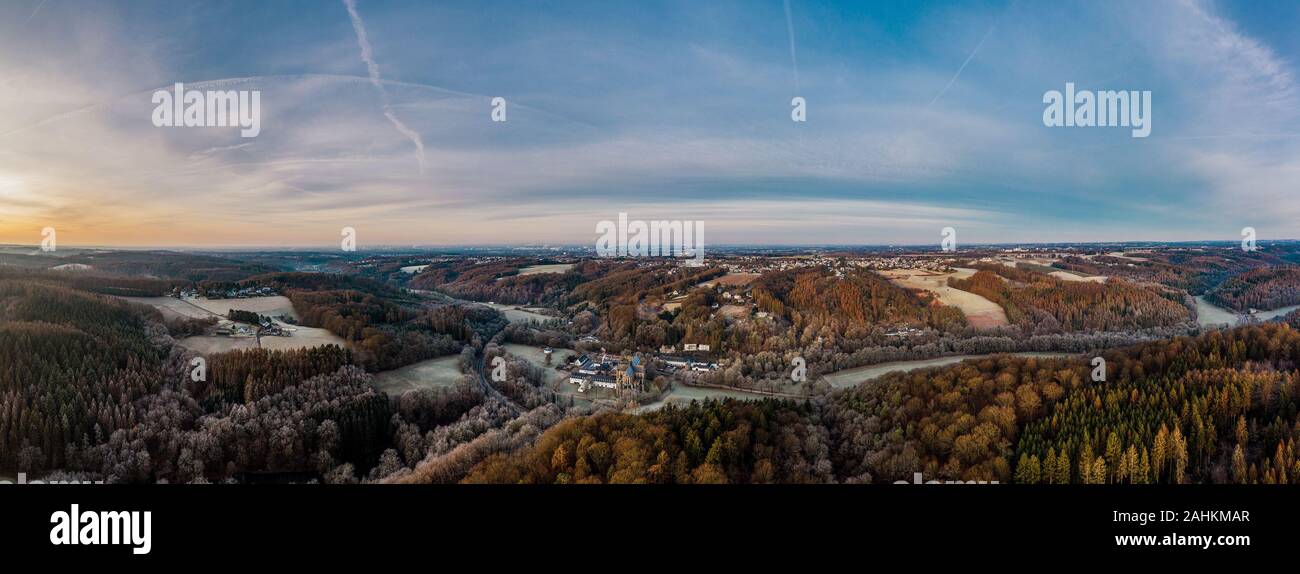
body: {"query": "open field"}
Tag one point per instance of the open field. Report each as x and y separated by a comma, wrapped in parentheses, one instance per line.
(1120, 255)
(516, 314)
(856, 376)
(172, 307)
(732, 280)
(536, 356)
(1068, 276)
(682, 395)
(276, 305)
(302, 338)
(71, 267)
(675, 303)
(198, 308)
(980, 312)
(734, 311)
(551, 268)
(271, 305)
(439, 372)
(413, 269)
(1210, 315)
(212, 344)
(558, 381)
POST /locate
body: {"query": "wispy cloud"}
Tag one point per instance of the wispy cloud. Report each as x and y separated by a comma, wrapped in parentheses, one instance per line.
(663, 109)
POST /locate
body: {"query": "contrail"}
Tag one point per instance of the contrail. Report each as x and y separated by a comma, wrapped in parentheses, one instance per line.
(35, 10)
(789, 26)
(367, 55)
(970, 57)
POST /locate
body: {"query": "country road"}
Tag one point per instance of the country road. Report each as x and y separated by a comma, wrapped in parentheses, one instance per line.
(479, 368)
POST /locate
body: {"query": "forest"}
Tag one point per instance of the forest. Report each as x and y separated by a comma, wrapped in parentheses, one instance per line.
(93, 384)
(1263, 289)
(1041, 304)
(704, 443)
(1194, 270)
(499, 281)
(857, 300)
(387, 328)
(1216, 408)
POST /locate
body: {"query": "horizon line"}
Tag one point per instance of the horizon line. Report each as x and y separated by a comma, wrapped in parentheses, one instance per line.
(377, 247)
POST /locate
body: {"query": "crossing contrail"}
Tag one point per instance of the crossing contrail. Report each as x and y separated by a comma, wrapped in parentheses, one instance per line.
(970, 57)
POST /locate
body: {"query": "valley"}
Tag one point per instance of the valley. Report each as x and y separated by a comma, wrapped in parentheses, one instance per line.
(397, 351)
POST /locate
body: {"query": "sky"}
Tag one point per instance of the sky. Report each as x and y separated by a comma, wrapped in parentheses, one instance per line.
(377, 115)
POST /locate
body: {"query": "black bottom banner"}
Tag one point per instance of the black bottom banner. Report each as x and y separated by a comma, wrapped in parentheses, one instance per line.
(170, 525)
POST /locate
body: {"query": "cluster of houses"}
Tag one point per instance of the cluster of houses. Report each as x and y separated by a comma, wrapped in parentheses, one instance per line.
(232, 329)
(904, 262)
(245, 292)
(675, 363)
(759, 265)
(241, 293)
(266, 327)
(618, 373)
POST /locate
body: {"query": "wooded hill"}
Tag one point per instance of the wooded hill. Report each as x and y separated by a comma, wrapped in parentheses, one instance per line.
(1220, 407)
(500, 281)
(1262, 289)
(857, 299)
(1041, 304)
(1193, 270)
(91, 383)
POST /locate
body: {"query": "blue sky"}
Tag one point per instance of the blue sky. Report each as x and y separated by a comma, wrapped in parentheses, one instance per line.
(663, 110)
